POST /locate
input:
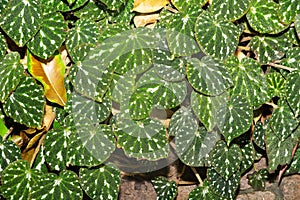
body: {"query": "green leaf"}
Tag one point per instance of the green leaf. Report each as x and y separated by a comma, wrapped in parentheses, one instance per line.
(206, 108)
(185, 5)
(12, 71)
(204, 192)
(217, 38)
(17, 180)
(40, 161)
(221, 187)
(113, 4)
(279, 149)
(50, 37)
(259, 133)
(140, 104)
(292, 58)
(51, 186)
(248, 79)
(236, 117)
(91, 144)
(3, 6)
(100, 183)
(122, 15)
(292, 92)
(3, 128)
(230, 10)
(257, 179)
(226, 161)
(21, 20)
(294, 166)
(288, 10)
(180, 32)
(291, 34)
(297, 25)
(276, 85)
(269, 49)
(283, 121)
(263, 17)
(3, 46)
(165, 190)
(9, 151)
(81, 38)
(26, 104)
(248, 153)
(145, 139)
(208, 76)
(54, 6)
(92, 10)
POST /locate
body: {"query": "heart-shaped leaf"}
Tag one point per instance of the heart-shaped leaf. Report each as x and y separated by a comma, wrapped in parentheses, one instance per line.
(21, 20)
(292, 91)
(50, 37)
(230, 10)
(288, 10)
(10, 153)
(100, 183)
(226, 161)
(11, 71)
(26, 104)
(17, 180)
(263, 17)
(208, 76)
(165, 190)
(276, 85)
(217, 38)
(52, 186)
(248, 80)
(51, 75)
(236, 117)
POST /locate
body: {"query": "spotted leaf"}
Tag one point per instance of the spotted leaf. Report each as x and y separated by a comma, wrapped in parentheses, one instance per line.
(248, 153)
(292, 58)
(294, 166)
(288, 10)
(259, 133)
(276, 85)
(292, 92)
(10, 153)
(165, 190)
(113, 4)
(3, 46)
(100, 183)
(185, 5)
(204, 192)
(297, 25)
(91, 10)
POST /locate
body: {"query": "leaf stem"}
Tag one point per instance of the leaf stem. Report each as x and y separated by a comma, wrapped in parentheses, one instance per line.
(281, 67)
(8, 133)
(197, 176)
(171, 9)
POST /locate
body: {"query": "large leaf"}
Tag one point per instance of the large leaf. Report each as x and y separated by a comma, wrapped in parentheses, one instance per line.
(226, 161)
(230, 10)
(165, 190)
(51, 75)
(12, 71)
(269, 48)
(206, 108)
(208, 76)
(248, 79)
(263, 17)
(236, 117)
(292, 91)
(100, 183)
(51, 186)
(3, 46)
(17, 180)
(21, 20)
(216, 38)
(9, 152)
(50, 37)
(26, 104)
(149, 6)
(288, 10)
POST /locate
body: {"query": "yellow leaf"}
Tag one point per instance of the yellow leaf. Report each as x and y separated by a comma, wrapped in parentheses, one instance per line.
(51, 75)
(148, 6)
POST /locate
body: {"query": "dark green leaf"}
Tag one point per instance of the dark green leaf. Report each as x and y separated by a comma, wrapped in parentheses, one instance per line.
(292, 92)
(248, 154)
(185, 5)
(92, 10)
(113, 4)
(204, 193)
(297, 25)
(295, 164)
(276, 85)
(165, 190)
(9, 152)
(3, 46)
(288, 10)
(257, 179)
(259, 133)
(292, 58)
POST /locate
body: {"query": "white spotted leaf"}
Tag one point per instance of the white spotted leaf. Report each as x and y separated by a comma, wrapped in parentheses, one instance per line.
(292, 91)
(165, 190)
(294, 166)
(113, 4)
(276, 85)
(185, 5)
(26, 104)
(51, 186)
(208, 76)
(217, 38)
(21, 20)
(226, 161)
(50, 36)
(9, 152)
(3, 46)
(297, 25)
(292, 58)
(100, 183)
(17, 180)
(248, 153)
(288, 10)
(91, 10)
(12, 72)
(259, 133)
(204, 192)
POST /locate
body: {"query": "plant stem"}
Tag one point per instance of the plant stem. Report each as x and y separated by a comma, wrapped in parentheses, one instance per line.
(281, 67)
(197, 175)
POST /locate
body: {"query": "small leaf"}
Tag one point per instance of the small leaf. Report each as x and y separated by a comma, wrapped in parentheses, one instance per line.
(26, 104)
(236, 117)
(259, 133)
(123, 15)
(263, 17)
(276, 85)
(50, 37)
(204, 192)
(9, 151)
(217, 38)
(3, 45)
(226, 161)
(17, 180)
(100, 183)
(51, 75)
(149, 6)
(288, 10)
(51, 186)
(221, 187)
(257, 179)
(292, 92)
(165, 190)
(294, 166)
(12, 71)
(208, 76)
(3, 128)
(21, 20)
